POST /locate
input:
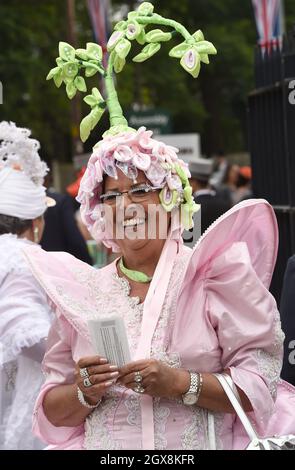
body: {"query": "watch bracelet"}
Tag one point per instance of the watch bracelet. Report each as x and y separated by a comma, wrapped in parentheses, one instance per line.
(200, 386)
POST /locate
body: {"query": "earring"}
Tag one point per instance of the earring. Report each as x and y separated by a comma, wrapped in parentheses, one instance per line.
(36, 234)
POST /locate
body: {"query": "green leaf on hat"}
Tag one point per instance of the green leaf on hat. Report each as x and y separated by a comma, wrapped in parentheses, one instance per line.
(114, 39)
(133, 29)
(71, 90)
(119, 63)
(90, 71)
(82, 54)
(68, 80)
(198, 35)
(122, 48)
(132, 14)
(80, 84)
(187, 192)
(205, 47)
(181, 173)
(94, 51)
(66, 51)
(141, 37)
(85, 127)
(168, 204)
(121, 26)
(191, 62)
(145, 9)
(53, 72)
(96, 94)
(59, 61)
(70, 70)
(147, 52)
(204, 58)
(90, 100)
(96, 114)
(90, 121)
(180, 50)
(58, 79)
(157, 35)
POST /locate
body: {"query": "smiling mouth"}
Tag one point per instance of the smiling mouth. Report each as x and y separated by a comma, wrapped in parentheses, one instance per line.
(133, 222)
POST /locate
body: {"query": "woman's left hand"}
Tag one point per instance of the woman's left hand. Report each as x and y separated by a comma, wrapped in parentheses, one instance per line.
(157, 379)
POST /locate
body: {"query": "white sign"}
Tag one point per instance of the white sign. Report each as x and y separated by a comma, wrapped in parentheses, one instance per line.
(189, 145)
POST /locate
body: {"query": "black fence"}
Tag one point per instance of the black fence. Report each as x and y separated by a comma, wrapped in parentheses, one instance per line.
(271, 117)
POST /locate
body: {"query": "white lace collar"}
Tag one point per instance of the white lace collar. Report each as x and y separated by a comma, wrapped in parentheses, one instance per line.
(126, 288)
(12, 238)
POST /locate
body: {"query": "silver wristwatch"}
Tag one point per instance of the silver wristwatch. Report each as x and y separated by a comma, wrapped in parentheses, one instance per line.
(192, 395)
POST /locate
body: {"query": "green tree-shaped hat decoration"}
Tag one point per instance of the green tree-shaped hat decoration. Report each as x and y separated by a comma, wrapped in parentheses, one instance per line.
(192, 51)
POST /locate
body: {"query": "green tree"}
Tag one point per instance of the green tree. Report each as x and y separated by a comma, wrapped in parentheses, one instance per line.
(29, 36)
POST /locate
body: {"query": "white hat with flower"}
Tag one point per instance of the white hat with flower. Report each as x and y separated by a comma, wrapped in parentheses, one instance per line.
(22, 174)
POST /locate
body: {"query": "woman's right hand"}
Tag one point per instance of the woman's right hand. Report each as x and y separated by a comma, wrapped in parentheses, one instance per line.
(101, 374)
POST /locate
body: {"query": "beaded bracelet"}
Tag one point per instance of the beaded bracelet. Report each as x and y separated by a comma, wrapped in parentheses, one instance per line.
(84, 402)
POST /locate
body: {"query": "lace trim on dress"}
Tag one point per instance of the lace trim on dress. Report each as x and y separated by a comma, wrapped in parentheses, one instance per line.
(161, 415)
(166, 321)
(192, 437)
(132, 403)
(270, 362)
(12, 258)
(98, 435)
(23, 335)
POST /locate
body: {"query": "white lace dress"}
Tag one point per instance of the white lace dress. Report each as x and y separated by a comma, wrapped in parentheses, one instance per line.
(24, 320)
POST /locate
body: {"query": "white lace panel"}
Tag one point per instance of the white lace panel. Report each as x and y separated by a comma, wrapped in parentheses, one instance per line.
(270, 361)
(98, 432)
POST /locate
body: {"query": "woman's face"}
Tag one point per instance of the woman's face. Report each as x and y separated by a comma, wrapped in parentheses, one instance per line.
(135, 218)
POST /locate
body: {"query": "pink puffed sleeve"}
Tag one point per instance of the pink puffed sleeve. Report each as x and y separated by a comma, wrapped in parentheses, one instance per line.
(58, 367)
(246, 320)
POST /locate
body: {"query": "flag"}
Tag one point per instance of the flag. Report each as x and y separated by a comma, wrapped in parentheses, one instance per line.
(269, 21)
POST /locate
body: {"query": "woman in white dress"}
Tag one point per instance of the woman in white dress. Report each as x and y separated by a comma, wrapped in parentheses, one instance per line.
(24, 313)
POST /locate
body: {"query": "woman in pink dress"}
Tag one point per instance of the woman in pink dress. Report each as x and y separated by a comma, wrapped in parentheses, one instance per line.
(205, 311)
(188, 313)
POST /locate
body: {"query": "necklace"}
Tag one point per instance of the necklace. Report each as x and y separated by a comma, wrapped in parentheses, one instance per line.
(136, 276)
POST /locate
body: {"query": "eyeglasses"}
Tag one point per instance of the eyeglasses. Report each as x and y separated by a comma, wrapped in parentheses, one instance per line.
(136, 195)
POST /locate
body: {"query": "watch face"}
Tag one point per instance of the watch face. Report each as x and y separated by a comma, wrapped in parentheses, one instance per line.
(190, 399)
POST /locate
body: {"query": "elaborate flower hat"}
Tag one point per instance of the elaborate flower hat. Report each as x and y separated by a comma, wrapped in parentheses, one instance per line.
(122, 147)
(22, 174)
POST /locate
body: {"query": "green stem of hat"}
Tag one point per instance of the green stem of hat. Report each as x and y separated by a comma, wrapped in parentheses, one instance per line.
(136, 276)
(158, 19)
(98, 68)
(114, 107)
(117, 118)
